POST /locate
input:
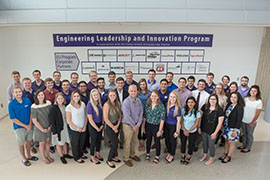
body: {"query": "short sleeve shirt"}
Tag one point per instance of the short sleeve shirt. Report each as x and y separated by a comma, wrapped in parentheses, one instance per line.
(77, 115)
(250, 109)
(170, 118)
(91, 110)
(190, 119)
(156, 115)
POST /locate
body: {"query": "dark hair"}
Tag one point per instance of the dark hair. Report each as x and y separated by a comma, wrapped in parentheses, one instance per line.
(82, 82)
(182, 79)
(234, 83)
(15, 72)
(244, 77)
(73, 74)
(187, 108)
(240, 100)
(258, 95)
(65, 80)
(226, 77)
(100, 78)
(202, 80)
(111, 73)
(56, 72)
(210, 74)
(191, 77)
(163, 80)
(207, 105)
(36, 101)
(170, 73)
(119, 79)
(151, 70)
(38, 71)
(48, 80)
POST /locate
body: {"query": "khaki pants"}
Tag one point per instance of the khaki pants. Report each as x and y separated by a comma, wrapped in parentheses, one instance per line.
(130, 140)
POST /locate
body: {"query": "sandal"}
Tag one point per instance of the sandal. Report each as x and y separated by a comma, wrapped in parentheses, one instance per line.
(156, 160)
(147, 157)
(168, 162)
(223, 156)
(96, 163)
(33, 158)
(26, 163)
(80, 161)
(183, 159)
(187, 160)
(227, 159)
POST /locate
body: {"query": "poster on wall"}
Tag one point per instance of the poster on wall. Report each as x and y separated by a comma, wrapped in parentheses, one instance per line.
(124, 52)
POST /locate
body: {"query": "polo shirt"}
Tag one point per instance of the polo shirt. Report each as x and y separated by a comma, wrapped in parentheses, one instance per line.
(243, 92)
(110, 86)
(59, 88)
(192, 89)
(170, 118)
(132, 112)
(127, 85)
(183, 95)
(152, 86)
(210, 88)
(20, 111)
(103, 96)
(29, 95)
(90, 110)
(164, 97)
(35, 87)
(172, 87)
(190, 119)
(91, 86)
(51, 95)
(73, 88)
(227, 89)
(67, 96)
(85, 99)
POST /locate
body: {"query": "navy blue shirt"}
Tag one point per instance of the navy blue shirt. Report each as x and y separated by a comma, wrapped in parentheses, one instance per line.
(127, 85)
(104, 97)
(67, 96)
(59, 88)
(85, 99)
(29, 95)
(210, 88)
(172, 87)
(164, 97)
(20, 111)
(35, 87)
(194, 88)
(73, 88)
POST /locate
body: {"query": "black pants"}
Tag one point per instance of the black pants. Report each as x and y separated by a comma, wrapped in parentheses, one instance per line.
(87, 136)
(114, 142)
(170, 141)
(141, 135)
(77, 143)
(191, 142)
(151, 131)
(222, 139)
(95, 138)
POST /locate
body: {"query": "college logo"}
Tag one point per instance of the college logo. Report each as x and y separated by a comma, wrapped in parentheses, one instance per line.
(160, 67)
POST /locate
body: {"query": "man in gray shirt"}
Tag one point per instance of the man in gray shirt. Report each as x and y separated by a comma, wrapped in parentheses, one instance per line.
(132, 118)
(16, 83)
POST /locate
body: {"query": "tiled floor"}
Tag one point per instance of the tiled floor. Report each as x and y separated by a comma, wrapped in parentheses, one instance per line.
(12, 168)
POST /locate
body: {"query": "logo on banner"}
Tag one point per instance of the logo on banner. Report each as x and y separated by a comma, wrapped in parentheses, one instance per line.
(160, 67)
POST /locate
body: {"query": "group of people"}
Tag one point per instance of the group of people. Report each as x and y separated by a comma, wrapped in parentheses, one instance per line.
(58, 113)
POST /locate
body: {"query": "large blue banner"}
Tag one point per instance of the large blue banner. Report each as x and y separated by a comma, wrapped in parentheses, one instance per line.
(142, 40)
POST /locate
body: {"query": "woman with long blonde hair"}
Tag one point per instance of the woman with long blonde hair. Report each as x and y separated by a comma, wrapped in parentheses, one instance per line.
(112, 117)
(96, 124)
(172, 117)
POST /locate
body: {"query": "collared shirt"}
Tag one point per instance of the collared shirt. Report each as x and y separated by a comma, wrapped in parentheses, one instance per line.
(243, 92)
(152, 86)
(227, 89)
(97, 118)
(91, 86)
(85, 99)
(20, 111)
(156, 115)
(59, 88)
(132, 111)
(172, 87)
(35, 87)
(73, 88)
(10, 96)
(183, 95)
(190, 119)
(51, 95)
(170, 118)
(192, 89)
(67, 96)
(120, 95)
(29, 95)
(164, 97)
(210, 88)
(203, 97)
(127, 85)
(110, 86)
(143, 97)
(103, 96)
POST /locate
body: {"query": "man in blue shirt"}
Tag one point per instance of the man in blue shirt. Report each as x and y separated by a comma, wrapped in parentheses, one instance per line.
(57, 84)
(19, 113)
(243, 88)
(129, 80)
(151, 82)
(102, 91)
(171, 85)
(210, 85)
(38, 83)
(163, 92)
(66, 91)
(27, 89)
(190, 84)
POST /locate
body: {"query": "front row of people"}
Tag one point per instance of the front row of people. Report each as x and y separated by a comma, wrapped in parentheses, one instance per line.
(72, 121)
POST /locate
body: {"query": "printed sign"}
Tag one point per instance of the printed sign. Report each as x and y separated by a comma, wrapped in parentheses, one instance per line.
(66, 61)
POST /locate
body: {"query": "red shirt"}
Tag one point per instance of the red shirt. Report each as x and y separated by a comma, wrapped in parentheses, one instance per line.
(51, 95)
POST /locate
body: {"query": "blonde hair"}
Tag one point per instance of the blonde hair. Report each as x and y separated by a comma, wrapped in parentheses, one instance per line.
(116, 106)
(177, 104)
(149, 101)
(56, 96)
(222, 93)
(72, 96)
(92, 101)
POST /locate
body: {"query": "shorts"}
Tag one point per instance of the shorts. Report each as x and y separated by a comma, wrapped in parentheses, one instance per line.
(22, 136)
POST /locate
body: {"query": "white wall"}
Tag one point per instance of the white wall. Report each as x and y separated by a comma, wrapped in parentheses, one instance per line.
(235, 49)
